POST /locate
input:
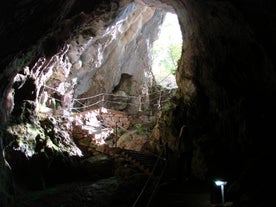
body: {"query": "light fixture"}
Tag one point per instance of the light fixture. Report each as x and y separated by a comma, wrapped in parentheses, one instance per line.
(221, 184)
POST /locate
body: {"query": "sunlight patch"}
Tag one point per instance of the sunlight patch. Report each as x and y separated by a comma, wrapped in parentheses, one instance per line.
(167, 51)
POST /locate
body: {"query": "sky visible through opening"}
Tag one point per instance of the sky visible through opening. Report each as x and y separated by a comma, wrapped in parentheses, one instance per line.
(166, 51)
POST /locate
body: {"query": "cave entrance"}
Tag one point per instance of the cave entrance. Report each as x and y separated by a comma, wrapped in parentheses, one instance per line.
(167, 51)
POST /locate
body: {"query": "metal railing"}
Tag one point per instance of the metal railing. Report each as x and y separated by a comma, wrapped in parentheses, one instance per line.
(143, 102)
(151, 176)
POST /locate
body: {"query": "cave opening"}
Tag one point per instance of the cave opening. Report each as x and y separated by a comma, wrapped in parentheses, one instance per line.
(144, 86)
(167, 51)
(82, 75)
(103, 61)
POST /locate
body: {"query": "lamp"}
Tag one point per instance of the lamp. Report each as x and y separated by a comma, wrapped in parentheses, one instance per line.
(221, 184)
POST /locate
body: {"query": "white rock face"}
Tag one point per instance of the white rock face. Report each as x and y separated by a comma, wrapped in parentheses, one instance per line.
(111, 51)
(123, 47)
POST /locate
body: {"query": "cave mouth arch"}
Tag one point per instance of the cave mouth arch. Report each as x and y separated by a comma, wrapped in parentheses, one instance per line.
(92, 58)
(54, 75)
(74, 26)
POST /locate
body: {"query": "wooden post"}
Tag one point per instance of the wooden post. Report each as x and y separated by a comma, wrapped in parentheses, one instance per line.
(116, 134)
(102, 104)
(139, 103)
(159, 101)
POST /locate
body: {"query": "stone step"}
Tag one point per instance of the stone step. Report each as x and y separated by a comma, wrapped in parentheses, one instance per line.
(92, 129)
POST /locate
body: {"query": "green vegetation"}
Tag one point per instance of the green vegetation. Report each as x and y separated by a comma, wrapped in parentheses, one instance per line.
(167, 106)
(139, 129)
(168, 61)
(121, 131)
(124, 139)
(167, 50)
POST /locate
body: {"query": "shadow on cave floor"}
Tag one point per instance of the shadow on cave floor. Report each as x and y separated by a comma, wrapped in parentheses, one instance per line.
(189, 194)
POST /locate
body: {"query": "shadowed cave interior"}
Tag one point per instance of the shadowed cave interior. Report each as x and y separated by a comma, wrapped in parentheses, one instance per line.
(84, 122)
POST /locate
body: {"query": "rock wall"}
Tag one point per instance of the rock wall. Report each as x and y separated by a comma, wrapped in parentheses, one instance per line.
(226, 80)
(117, 53)
(223, 77)
(86, 49)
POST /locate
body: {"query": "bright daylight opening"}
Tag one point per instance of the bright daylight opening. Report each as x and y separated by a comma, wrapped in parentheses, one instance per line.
(167, 52)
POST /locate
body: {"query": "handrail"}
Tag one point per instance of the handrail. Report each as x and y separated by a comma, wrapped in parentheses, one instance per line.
(119, 102)
(49, 87)
(86, 98)
(110, 94)
(104, 94)
(55, 99)
(156, 185)
(142, 100)
(83, 107)
(149, 178)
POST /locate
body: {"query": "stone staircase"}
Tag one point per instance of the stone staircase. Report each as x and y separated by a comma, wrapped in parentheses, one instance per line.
(88, 132)
(96, 121)
(145, 162)
(94, 127)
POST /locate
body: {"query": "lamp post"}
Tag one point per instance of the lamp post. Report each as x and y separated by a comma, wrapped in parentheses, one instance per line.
(221, 184)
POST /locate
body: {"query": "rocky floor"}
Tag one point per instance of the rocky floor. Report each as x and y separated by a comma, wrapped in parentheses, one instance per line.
(186, 194)
(103, 193)
(101, 182)
(115, 191)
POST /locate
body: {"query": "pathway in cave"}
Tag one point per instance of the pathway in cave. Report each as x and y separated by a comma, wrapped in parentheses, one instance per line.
(168, 193)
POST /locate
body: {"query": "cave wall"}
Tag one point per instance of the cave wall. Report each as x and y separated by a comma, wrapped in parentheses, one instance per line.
(86, 45)
(226, 80)
(224, 67)
(123, 45)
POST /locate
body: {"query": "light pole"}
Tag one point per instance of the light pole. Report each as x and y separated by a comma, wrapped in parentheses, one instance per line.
(221, 184)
